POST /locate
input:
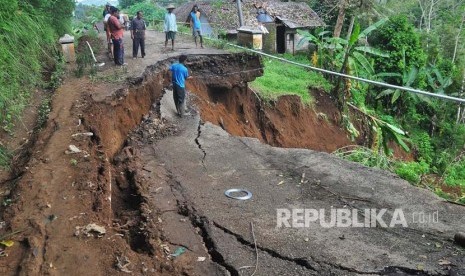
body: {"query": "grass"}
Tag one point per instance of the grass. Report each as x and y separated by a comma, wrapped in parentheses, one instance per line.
(287, 79)
(5, 157)
(27, 44)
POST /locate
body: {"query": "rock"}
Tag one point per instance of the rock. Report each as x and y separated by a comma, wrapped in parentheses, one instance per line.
(83, 134)
(72, 149)
(92, 227)
(89, 230)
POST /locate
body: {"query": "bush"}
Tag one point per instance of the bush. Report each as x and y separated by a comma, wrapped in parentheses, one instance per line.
(394, 37)
(412, 171)
(365, 156)
(455, 174)
(28, 43)
(152, 14)
(4, 157)
(425, 149)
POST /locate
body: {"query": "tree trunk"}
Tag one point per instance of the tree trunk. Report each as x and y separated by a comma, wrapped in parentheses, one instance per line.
(457, 37)
(460, 109)
(341, 95)
(340, 18)
(351, 27)
(422, 17)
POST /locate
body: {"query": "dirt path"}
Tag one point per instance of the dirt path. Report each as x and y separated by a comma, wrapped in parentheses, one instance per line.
(58, 192)
(148, 185)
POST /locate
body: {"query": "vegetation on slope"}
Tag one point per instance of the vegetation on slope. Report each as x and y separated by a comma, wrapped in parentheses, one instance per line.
(29, 36)
(280, 80)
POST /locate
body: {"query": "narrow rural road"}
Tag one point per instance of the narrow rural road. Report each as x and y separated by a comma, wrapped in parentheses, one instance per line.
(204, 161)
(156, 183)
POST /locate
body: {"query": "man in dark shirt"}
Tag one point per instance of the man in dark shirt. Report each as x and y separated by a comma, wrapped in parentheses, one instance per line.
(138, 35)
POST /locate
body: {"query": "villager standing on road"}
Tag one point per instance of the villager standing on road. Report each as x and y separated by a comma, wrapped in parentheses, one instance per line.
(170, 28)
(117, 32)
(196, 25)
(106, 10)
(138, 35)
(179, 74)
(106, 16)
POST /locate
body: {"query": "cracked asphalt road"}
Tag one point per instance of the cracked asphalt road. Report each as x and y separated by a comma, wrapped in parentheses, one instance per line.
(203, 161)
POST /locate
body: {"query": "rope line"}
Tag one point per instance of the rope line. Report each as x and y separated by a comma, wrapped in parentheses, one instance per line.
(377, 83)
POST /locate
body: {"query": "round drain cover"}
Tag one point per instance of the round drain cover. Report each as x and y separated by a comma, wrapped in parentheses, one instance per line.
(229, 193)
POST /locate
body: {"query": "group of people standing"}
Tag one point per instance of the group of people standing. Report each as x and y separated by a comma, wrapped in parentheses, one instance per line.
(114, 29)
(170, 27)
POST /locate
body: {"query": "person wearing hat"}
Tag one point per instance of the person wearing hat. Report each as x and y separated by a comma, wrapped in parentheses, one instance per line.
(170, 28)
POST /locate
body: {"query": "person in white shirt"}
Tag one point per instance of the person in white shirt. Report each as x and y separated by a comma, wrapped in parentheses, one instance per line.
(170, 28)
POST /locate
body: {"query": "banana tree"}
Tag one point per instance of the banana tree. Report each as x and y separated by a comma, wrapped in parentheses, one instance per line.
(383, 132)
(355, 61)
(355, 56)
(436, 80)
(408, 78)
(324, 46)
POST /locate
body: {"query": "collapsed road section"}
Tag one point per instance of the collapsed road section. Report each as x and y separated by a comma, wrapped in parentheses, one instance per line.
(145, 192)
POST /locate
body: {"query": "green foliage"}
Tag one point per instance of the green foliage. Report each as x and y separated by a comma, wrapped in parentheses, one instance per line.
(441, 193)
(349, 127)
(280, 80)
(27, 41)
(44, 110)
(424, 147)
(57, 13)
(396, 37)
(56, 77)
(412, 171)
(455, 173)
(84, 57)
(28, 34)
(365, 156)
(5, 157)
(151, 12)
(85, 18)
(126, 3)
(335, 53)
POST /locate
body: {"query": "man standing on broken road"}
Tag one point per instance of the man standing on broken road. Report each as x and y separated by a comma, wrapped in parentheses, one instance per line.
(179, 74)
(138, 35)
(169, 27)
(196, 25)
(116, 31)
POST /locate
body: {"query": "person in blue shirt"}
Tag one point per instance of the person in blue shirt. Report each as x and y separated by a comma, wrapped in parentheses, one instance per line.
(179, 74)
(196, 25)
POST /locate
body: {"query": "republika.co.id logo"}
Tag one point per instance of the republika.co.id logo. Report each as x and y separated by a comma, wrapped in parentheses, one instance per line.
(344, 217)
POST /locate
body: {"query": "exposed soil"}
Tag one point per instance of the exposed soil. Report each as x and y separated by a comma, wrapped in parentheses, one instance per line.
(284, 123)
(58, 194)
